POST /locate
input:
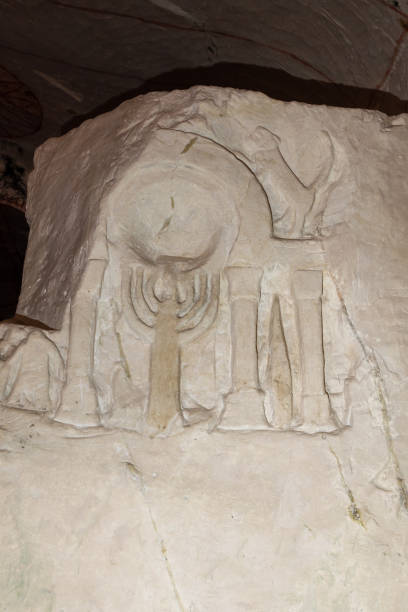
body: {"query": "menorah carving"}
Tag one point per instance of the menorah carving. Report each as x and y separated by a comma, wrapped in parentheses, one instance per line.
(185, 240)
(176, 307)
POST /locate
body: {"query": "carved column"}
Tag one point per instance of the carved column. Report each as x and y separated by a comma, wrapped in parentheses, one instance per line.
(79, 403)
(308, 288)
(244, 405)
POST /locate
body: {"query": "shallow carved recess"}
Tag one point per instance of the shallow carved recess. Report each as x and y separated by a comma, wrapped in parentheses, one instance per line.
(203, 265)
(191, 283)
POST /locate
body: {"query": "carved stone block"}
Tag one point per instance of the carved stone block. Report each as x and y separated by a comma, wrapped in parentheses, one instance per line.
(207, 264)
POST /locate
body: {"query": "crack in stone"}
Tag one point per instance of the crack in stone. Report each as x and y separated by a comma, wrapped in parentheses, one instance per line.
(372, 360)
(394, 56)
(137, 476)
(194, 29)
(353, 510)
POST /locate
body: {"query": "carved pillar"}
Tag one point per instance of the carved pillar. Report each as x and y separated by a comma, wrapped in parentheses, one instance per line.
(308, 288)
(244, 405)
(79, 403)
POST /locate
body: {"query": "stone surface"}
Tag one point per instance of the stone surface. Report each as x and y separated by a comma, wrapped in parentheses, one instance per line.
(211, 415)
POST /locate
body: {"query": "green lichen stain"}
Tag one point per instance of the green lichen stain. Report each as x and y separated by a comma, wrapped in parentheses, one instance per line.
(403, 492)
(172, 202)
(24, 583)
(353, 509)
(354, 513)
(189, 145)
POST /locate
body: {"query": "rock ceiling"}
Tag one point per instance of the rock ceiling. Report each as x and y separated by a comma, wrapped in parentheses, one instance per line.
(65, 60)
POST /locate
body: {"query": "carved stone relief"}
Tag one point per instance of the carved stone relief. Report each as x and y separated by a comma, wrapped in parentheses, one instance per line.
(180, 320)
(212, 372)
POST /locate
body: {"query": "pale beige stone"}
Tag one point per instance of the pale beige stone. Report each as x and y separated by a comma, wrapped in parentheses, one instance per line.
(215, 419)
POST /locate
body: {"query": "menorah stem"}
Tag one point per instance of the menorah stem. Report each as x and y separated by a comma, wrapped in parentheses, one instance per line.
(164, 401)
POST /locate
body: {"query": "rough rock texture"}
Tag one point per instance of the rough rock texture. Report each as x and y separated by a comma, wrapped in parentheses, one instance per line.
(216, 420)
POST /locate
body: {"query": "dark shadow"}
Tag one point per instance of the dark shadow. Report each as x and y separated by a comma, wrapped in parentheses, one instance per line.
(26, 321)
(13, 243)
(270, 81)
